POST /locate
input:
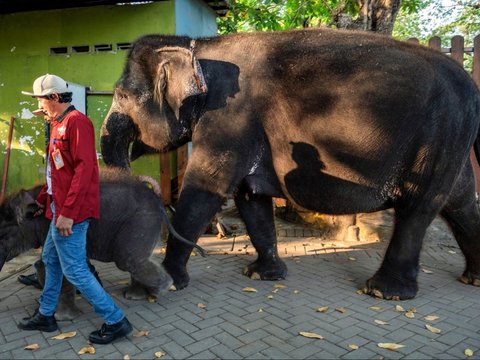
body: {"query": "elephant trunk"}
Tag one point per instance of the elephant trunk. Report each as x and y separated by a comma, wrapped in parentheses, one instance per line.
(117, 132)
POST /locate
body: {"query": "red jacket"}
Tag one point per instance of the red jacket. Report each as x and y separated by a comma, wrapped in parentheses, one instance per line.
(75, 186)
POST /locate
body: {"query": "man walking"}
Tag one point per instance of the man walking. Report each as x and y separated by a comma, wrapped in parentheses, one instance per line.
(70, 199)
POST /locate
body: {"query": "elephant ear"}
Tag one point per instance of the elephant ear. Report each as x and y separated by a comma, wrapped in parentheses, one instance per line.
(178, 76)
(24, 206)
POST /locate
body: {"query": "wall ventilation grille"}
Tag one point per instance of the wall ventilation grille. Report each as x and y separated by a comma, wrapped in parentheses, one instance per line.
(124, 46)
(62, 50)
(59, 50)
(102, 47)
(80, 49)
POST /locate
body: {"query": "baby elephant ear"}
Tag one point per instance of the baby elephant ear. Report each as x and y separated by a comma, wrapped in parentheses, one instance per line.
(179, 76)
(24, 206)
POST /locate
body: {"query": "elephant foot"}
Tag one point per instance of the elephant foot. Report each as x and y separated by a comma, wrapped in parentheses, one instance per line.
(180, 276)
(164, 287)
(263, 270)
(470, 278)
(389, 288)
(67, 312)
(139, 291)
(136, 292)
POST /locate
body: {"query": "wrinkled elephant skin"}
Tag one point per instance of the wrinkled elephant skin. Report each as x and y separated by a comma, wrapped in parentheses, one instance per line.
(335, 122)
(126, 234)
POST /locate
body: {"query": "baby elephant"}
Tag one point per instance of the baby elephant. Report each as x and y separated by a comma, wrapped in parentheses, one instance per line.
(127, 232)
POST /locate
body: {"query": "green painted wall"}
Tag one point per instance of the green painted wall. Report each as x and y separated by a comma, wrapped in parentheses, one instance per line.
(25, 43)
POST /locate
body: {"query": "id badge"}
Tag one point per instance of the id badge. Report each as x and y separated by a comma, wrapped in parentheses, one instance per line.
(57, 159)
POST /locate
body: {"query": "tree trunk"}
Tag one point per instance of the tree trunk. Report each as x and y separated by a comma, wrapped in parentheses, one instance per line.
(374, 15)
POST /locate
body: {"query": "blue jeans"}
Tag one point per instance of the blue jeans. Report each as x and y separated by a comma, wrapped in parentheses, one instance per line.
(67, 255)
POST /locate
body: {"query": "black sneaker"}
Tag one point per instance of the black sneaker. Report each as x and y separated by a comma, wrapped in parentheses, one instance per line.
(39, 322)
(108, 333)
(31, 279)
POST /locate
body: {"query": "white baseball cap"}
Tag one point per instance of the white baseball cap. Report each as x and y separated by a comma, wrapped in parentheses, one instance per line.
(38, 112)
(46, 85)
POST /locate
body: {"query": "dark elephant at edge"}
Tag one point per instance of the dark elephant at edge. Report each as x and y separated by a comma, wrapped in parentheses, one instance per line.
(336, 122)
(127, 232)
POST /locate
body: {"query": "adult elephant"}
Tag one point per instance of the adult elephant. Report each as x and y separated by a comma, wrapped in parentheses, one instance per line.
(336, 122)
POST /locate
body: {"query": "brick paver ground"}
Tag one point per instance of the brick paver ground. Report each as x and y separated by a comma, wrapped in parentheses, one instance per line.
(214, 319)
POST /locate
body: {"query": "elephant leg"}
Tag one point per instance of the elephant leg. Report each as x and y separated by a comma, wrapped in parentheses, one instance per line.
(136, 291)
(397, 277)
(257, 213)
(67, 309)
(195, 210)
(148, 278)
(462, 214)
(40, 268)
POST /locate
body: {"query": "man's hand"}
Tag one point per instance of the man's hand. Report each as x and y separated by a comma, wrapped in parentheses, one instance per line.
(39, 210)
(64, 225)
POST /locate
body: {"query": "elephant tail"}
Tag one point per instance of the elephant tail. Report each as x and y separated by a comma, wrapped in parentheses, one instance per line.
(174, 233)
(152, 182)
(156, 189)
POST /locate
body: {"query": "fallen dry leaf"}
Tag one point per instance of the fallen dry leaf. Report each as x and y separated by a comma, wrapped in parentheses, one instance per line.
(32, 347)
(376, 308)
(159, 354)
(296, 292)
(249, 289)
(311, 335)
(141, 333)
(452, 252)
(322, 309)
(413, 310)
(126, 357)
(151, 299)
(341, 310)
(124, 282)
(351, 258)
(275, 291)
(64, 335)
(87, 350)
(381, 322)
(399, 308)
(360, 292)
(431, 317)
(390, 346)
(353, 346)
(260, 310)
(270, 297)
(433, 329)
(426, 271)
(201, 306)
(409, 314)
(468, 352)
(279, 286)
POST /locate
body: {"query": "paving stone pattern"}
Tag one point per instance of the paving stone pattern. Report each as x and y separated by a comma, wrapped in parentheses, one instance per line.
(266, 324)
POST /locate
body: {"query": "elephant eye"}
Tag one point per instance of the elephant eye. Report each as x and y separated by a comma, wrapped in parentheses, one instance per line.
(122, 95)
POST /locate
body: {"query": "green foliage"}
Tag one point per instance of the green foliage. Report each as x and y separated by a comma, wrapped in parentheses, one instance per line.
(465, 20)
(417, 18)
(251, 15)
(440, 18)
